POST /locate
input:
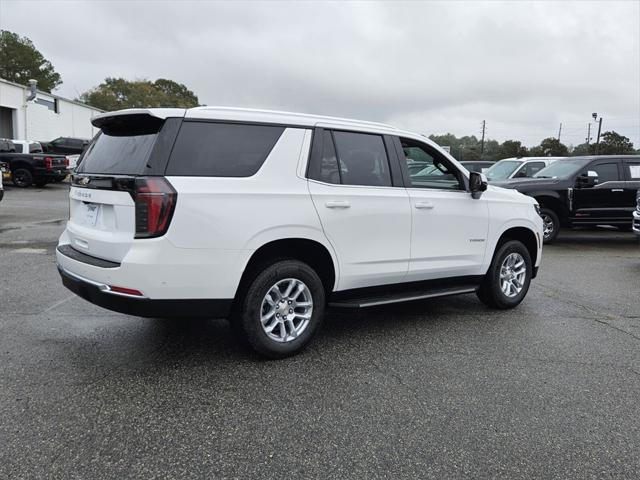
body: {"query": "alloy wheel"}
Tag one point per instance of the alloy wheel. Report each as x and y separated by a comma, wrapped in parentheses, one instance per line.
(513, 273)
(286, 310)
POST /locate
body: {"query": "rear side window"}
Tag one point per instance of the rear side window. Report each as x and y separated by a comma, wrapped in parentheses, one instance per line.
(633, 171)
(362, 158)
(221, 149)
(18, 147)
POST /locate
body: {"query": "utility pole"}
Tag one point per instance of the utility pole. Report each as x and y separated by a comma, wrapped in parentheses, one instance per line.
(598, 140)
(588, 134)
(559, 131)
(484, 124)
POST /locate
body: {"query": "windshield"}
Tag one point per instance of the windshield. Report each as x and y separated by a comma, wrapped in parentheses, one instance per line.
(503, 169)
(561, 169)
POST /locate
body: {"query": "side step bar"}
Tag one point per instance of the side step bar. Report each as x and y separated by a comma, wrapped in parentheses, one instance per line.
(374, 301)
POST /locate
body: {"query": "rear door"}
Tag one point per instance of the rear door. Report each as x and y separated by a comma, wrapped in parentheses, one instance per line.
(631, 170)
(102, 213)
(365, 217)
(604, 201)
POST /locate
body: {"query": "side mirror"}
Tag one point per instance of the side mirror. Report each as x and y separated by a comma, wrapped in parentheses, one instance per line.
(477, 184)
(586, 180)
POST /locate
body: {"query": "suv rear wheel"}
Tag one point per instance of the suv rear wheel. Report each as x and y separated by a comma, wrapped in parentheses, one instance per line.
(507, 280)
(281, 310)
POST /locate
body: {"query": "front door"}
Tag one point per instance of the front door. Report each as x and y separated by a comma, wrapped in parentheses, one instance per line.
(366, 219)
(603, 202)
(449, 228)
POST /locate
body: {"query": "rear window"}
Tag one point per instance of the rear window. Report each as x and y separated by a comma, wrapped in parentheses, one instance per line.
(122, 147)
(221, 149)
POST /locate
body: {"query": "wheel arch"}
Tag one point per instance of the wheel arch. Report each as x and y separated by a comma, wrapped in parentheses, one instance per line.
(552, 201)
(310, 251)
(523, 234)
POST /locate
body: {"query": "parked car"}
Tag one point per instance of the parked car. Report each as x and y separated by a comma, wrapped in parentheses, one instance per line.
(4, 168)
(579, 191)
(635, 226)
(66, 145)
(73, 163)
(31, 168)
(267, 218)
(24, 146)
(521, 167)
(481, 166)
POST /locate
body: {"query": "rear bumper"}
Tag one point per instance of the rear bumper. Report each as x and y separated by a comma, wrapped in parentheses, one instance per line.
(96, 293)
(636, 223)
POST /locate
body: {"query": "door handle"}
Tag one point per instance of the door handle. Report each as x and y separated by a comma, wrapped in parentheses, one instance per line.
(337, 204)
(617, 189)
(424, 205)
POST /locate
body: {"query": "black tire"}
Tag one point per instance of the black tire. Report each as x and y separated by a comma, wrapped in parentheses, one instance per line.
(40, 182)
(22, 177)
(490, 291)
(551, 224)
(246, 319)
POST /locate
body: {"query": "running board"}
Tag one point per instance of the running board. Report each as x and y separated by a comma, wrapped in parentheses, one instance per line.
(399, 297)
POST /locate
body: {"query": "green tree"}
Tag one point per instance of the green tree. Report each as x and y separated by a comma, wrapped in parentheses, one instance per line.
(118, 93)
(20, 61)
(612, 143)
(511, 149)
(550, 147)
(582, 149)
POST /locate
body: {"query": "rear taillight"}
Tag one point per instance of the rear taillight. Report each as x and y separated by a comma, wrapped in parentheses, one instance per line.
(48, 163)
(155, 201)
(66, 161)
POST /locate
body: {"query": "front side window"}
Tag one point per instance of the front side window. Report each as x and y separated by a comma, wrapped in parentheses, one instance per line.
(362, 159)
(427, 169)
(529, 169)
(607, 172)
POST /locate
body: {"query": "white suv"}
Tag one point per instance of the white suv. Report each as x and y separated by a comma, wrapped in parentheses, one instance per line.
(267, 218)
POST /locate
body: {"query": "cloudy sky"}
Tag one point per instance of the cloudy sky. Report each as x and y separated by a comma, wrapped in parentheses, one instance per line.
(432, 67)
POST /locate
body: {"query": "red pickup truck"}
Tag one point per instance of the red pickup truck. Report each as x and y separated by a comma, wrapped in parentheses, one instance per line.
(32, 168)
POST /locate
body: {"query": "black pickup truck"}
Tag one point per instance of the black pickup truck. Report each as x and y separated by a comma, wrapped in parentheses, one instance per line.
(579, 191)
(32, 168)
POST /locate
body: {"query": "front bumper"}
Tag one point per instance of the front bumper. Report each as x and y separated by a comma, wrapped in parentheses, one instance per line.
(99, 294)
(636, 223)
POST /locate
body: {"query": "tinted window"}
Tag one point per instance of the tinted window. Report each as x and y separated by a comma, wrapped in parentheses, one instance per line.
(221, 149)
(427, 169)
(119, 155)
(329, 171)
(607, 172)
(18, 147)
(363, 159)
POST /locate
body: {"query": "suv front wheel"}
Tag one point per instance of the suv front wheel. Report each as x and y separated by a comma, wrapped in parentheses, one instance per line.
(507, 280)
(550, 225)
(281, 310)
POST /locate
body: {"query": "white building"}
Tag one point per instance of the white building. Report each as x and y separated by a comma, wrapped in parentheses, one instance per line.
(44, 118)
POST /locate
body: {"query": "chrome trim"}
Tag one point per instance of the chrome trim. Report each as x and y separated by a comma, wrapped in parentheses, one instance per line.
(101, 286)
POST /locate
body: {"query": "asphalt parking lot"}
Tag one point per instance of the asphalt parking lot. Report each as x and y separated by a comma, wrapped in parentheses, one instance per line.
(435, 389)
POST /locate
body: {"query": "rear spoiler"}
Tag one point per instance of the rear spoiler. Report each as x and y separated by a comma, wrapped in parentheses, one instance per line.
(119, 116)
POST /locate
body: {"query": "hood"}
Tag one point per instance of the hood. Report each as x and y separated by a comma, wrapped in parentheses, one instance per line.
(526, 182)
